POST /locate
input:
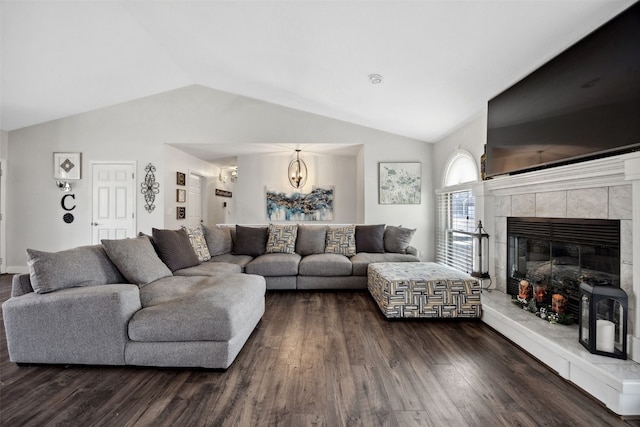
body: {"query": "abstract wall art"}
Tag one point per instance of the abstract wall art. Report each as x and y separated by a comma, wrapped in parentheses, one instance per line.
(399, 184)
(298, 206)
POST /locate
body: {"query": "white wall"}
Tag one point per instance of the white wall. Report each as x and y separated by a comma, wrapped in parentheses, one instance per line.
(138, 131)
(179, 161)
(259, 172)
(4, 144)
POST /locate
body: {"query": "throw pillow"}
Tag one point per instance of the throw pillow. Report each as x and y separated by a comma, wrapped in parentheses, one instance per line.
(341, 240)
(136, 259)
(397, 239)
(250, 240)
(82, 266)
(218, 240)
(174, 249)
(198, 242)
(370, 238)
(311, 239)
(282, 239)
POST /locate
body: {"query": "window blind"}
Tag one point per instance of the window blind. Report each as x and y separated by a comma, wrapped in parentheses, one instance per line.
(456, 213)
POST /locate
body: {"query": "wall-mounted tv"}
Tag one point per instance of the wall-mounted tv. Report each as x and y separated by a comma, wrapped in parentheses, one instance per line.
(583, 104)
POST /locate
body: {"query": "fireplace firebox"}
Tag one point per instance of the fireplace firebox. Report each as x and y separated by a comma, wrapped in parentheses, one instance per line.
(556, 254)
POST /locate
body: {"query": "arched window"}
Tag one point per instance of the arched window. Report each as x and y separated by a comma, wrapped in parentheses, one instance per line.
(456, 212)
(461, 167)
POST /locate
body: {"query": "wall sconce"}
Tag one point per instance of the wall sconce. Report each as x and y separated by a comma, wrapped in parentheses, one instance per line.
(480, 268)
(297, 172)
(603, 320)
(64, 186)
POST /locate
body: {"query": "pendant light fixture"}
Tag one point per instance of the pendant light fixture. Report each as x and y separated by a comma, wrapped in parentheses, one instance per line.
(297, 171)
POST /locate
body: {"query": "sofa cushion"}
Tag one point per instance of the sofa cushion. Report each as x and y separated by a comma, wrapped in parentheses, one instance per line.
(239, 260)
(136, 259)
(362, 260)
(311, 239)
(282, 239)
(174, 248)
(341, 240)
(82, 266)
(179, 309)
(325, 265)
(218, 240)
(250, 241)
(397, 239)
(369, 238)
(209, 269)
(198, 242)
(273, 265)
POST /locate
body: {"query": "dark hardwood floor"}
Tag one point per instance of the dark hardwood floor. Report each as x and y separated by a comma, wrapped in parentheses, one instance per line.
(316, 358)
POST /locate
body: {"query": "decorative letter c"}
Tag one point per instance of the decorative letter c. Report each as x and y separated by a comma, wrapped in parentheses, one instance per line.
(64, 198)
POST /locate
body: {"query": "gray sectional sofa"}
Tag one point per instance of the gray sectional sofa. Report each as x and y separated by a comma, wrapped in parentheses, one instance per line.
(188, 298)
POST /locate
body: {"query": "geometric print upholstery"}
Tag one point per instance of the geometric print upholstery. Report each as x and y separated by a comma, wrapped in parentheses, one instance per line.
(341, 240)
(423, 290)
(282, 239)
(198, 242)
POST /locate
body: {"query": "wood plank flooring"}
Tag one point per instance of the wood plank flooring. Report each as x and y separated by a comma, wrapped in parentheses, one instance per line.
(316, 359)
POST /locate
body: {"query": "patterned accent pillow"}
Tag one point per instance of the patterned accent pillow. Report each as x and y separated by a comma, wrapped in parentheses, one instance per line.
(198, 242)
(341, 240)
(282, 239)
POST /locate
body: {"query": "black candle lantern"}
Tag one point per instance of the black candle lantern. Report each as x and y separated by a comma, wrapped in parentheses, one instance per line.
(480, 268)
(603, 320)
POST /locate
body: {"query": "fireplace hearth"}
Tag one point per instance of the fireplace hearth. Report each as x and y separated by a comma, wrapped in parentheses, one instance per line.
(554, 255)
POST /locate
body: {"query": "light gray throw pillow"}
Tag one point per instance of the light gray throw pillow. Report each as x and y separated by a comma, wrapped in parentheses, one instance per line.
(136, 259)
(81, 266)
(397, 239)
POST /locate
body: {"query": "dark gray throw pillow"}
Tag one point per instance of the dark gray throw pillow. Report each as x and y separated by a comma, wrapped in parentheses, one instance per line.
(136, 259)
(311, 239)
(370, 238)
(174, 249)
(82, 266)
(397, 239)
(250, 241)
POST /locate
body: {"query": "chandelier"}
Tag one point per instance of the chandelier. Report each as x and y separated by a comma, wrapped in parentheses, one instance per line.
(297, 171)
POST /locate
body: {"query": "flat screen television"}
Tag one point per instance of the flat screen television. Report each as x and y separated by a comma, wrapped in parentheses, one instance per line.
(582, 104)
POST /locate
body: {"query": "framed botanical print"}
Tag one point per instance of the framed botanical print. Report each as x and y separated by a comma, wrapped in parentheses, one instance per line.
(67, 166)
(400, 183)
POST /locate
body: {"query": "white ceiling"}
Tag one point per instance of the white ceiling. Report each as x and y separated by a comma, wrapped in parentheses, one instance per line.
(441, 60)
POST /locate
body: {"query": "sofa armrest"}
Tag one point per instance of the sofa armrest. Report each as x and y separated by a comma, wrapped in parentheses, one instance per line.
(86, 325)
(412, 251)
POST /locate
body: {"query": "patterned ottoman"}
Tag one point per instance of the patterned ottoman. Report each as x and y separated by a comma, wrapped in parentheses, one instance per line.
(423, 289)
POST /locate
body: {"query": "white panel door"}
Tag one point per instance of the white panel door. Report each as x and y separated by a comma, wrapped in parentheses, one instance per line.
(113, 215)
(194, 210)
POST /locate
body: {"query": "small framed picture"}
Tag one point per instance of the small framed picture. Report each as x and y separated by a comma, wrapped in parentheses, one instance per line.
(181, 179)
(181, 196)
(181, 212)
(67, 166)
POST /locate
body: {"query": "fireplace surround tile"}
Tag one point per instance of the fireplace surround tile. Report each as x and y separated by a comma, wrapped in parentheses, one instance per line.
(503, 206)
(588, 203)
(552, 204)
(620, 202)
(523, 205)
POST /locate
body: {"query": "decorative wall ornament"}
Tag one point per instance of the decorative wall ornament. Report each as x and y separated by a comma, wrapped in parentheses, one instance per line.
(181, 212)
(296, 206)
(223, 193)
(150, 188)
(181, 178)
(400, 184)
(181, 195)
(67, 166)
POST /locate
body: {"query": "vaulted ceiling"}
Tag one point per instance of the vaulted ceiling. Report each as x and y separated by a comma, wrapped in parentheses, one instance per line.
(440, 60)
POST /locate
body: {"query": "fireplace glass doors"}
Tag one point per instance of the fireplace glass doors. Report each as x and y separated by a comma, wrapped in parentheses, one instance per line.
(555, 254)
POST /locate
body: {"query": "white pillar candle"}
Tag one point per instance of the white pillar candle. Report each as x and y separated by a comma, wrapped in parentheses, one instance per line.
(605, 335)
